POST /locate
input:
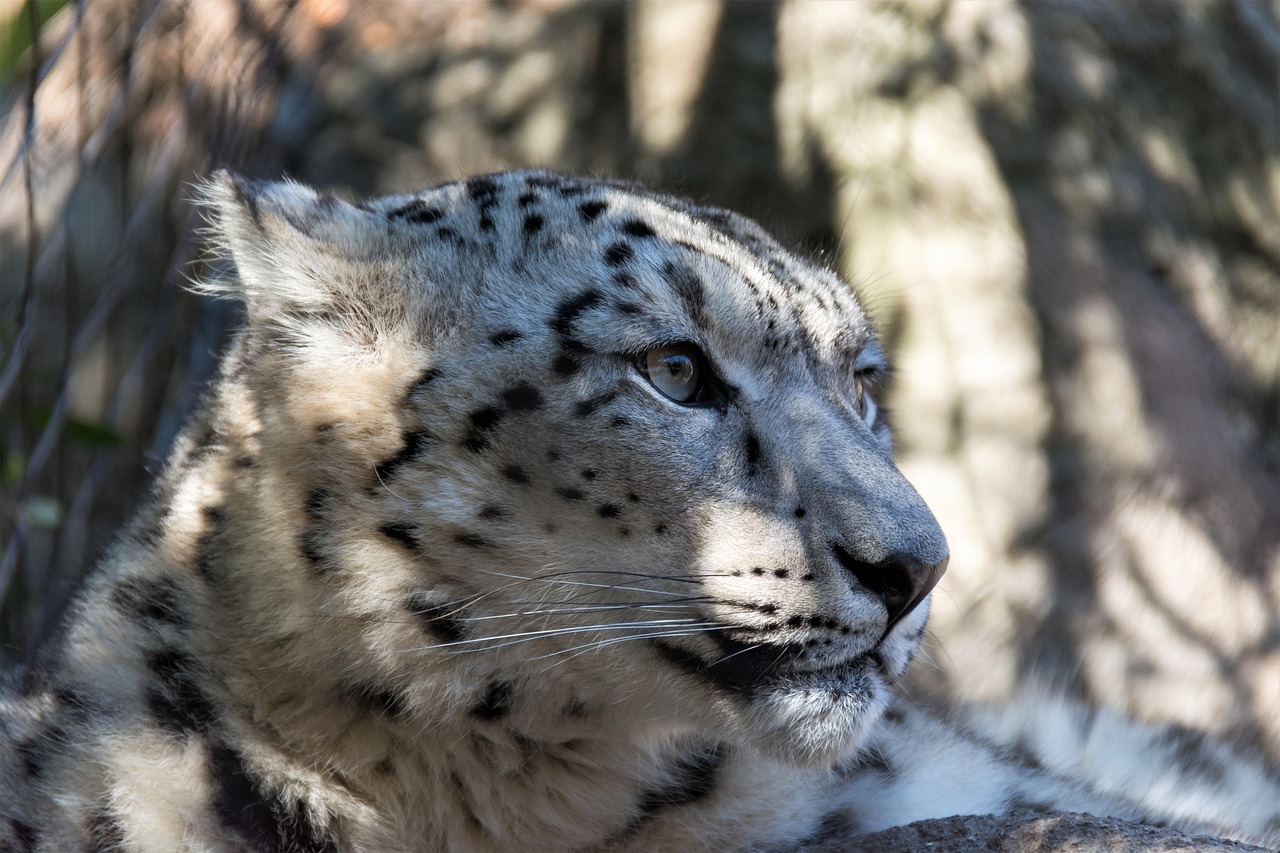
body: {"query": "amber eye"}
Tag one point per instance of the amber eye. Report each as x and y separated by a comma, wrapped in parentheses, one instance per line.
(677, 371)
(866, 406)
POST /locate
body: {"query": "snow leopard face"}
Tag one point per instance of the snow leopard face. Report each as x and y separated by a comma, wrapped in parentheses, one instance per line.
(584, 442)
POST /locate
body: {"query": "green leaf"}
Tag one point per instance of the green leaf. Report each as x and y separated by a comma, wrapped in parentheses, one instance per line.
(14, 465)
(91, 435)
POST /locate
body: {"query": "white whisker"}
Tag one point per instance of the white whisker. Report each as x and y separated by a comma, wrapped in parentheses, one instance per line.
(525, 636)
(609, 641)
(557, 581)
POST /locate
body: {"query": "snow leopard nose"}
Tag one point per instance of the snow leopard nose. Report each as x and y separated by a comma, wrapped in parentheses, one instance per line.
(900, 580)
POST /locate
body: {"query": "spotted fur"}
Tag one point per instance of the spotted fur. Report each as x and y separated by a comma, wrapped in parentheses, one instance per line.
(440, 565)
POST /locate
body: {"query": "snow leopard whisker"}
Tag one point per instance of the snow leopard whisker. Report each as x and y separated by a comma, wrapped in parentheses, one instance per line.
(556, 575)
(740, 651)
(557, 581)
(665, 606)
(575, 651)
(686, 629)
(455, 606)
(559, 631)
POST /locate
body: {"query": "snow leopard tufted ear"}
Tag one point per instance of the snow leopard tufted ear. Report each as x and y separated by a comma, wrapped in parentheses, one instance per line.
(331, 325)
(300, 257)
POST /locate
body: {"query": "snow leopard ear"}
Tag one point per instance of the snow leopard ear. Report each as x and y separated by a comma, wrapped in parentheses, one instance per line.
(301, 258)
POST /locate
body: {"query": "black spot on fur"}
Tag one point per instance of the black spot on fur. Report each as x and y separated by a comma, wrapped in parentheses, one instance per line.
(175, 699)
(402, 532)
(492, 512)
(516, 474)
(75, 706)
(414, 442)
(483, 421)
(311, 540)
(551, 181)
(567, 364)
(689, 289)
(266, 821)
(156, 600)
(246, 191)
(22, 838)
(522, 398)
(752, 447)
(618, 254)
(464, 803)
(1018, 752)
(496, 701)
(529, 747)
(570, 494)
(618, 422)
(585, 408)
(105, 830)
(206, 560)
(870, 761)
(447, 234)
(420, 384)
(590, 473)
(439, 619)
(532, 224)
(1190, 752)
(311, 547)
(693, 778)
(418, 211)
(505, 337)
(569, 310)
(630, 308)
(472, 540)
(375, 698)
(590, 210)
(715, 217)
(481, 187)
(799, 512)
(31, 752)
(839, 824)
(622, 278)
(609, 510)
(315, 504)
(637, 228)
(527, 198)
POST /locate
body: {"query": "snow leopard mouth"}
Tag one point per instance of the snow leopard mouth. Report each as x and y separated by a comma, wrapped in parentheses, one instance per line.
(748, 668)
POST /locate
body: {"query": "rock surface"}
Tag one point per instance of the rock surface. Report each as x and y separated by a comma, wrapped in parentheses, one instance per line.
(1024, 832)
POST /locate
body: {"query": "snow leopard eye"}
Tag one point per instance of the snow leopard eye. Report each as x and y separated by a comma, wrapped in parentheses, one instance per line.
(867, 408)
(680, 372)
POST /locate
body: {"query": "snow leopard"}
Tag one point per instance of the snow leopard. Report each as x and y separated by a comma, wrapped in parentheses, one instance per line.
(533, 512)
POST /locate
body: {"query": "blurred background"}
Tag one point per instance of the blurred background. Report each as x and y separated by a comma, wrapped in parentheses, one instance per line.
(1065, 217)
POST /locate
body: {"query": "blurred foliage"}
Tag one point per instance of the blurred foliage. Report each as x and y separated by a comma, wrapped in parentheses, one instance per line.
(15, 31)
